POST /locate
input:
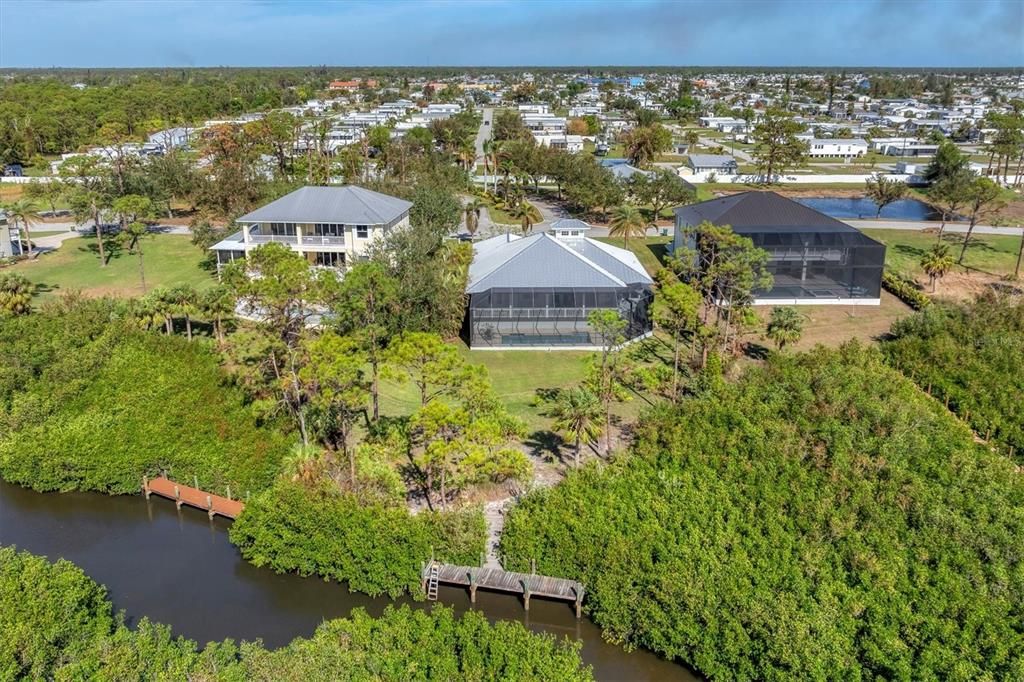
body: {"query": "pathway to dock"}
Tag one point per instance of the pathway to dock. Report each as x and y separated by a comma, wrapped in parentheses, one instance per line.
(193, 497)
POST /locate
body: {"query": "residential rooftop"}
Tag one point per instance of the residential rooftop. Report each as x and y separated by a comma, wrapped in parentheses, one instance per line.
(347, 204)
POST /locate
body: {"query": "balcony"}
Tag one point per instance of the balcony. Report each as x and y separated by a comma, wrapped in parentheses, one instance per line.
(267, 238)
(318, 240)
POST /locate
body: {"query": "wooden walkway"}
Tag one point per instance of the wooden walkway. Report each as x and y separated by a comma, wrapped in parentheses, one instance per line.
(499, 580)
(193, 497)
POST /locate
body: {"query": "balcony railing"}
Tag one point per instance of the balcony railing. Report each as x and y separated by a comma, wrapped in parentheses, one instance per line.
(318, 240)
(534, 313)
(267, 238)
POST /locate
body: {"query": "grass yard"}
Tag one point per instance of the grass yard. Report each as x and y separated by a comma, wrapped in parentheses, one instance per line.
(651, 251)
(833, 325)
(169, 259)
(502, 217)
(517, 377)
(988, 253)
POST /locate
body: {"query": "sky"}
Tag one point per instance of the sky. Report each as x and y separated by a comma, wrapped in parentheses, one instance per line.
(113, 33)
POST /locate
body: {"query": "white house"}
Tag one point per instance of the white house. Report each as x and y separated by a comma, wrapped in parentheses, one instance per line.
(172, 138)
(330, 226)
(569, 143)
(707, 163)
(835, 147)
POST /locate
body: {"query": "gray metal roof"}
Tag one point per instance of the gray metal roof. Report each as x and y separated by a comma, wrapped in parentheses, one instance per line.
(759, 210)
(348, 205)
(541, 260)
(624, 171)
(711, 161)
(569, 224)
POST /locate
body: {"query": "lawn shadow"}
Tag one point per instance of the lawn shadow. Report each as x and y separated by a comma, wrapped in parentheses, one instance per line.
(756, 351)
(546, 445)
(112, 247)
(660, 252)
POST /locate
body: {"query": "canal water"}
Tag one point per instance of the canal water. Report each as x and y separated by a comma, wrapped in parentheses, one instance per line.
(178, 568)
(860, 207)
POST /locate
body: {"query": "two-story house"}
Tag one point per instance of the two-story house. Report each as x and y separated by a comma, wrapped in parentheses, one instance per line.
(330, 226)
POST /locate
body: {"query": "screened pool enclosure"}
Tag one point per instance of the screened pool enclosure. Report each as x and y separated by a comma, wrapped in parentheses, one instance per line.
(538, 291)
(548, 316)
(820, 264)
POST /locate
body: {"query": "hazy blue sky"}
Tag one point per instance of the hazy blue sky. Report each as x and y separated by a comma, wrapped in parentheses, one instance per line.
(507, 32)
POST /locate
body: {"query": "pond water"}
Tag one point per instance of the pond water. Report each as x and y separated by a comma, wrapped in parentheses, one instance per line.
(178, 568)
(861, 207)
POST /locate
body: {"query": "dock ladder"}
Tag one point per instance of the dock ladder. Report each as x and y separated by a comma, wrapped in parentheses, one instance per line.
(432, 582)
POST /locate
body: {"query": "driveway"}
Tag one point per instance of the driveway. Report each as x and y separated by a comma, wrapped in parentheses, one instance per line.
(484, 133)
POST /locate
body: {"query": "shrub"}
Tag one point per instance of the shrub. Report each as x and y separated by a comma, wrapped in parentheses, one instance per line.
(905, 289)
(374, 548)
(127, 404)
(819, 519)
(970, 357)
(56, 623)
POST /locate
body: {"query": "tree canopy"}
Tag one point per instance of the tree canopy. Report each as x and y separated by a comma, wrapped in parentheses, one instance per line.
(819, 519)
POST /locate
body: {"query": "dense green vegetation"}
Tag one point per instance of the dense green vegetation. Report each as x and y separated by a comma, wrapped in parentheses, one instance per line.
(821, 518)
(971, 356)
(377, 549)
(92, 404)
(56, 623)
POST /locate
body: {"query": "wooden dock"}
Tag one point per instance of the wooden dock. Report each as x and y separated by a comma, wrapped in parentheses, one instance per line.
(499, 580)
(193, 497)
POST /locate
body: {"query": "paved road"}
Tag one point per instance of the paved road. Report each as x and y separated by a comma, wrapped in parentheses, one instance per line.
(484, 133)
(884, 224)
(57, 233)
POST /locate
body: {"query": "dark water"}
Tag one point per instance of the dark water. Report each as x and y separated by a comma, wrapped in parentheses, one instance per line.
(848, 207)
(179, 568)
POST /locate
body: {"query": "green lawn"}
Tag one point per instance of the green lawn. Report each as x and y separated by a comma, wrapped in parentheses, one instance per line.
(993, 254)
(517, 376)
(169, 259)
(651, 251)
(500, 216)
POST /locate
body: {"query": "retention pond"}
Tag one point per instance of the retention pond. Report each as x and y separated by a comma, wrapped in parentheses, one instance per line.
(861, 207)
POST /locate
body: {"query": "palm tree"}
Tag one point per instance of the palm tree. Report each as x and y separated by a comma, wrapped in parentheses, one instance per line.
(15, 294)
(785, 326)
(472, 211)
(23, 212)
(577, 414)
(163, 304)
(218, 303)
(185, 300)
(527, 214)
(936, 263)
(627, 221)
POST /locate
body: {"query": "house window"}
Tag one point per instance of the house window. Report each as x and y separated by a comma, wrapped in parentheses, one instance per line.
(330, 259)
(362, 231)
(329, 230)
(282, 228)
